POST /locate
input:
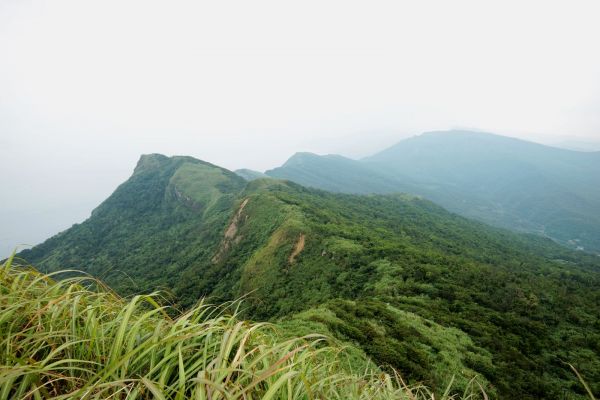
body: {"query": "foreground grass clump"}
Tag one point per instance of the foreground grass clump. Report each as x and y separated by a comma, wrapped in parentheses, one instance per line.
(63, 340)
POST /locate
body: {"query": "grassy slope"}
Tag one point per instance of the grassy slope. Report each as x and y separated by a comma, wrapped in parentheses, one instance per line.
(395, 275)
(249, 174)
(61, 340)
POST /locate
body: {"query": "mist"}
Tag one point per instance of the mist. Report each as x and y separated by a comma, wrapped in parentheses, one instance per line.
(86, 87)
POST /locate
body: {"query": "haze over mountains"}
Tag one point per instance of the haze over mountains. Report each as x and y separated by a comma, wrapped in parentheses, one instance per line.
(502, 181)
(396, 277)
(494, 181)
(372, 260)
(300, 200)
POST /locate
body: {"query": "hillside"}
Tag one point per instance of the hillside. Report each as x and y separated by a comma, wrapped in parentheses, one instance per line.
(93, 344)
(400, 279)
(502, 181)
(249, 174)
(336, 174)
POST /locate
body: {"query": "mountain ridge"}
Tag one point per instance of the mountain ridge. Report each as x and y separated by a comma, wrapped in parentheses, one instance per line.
(394, 276)
(249, 174)
(506, 182)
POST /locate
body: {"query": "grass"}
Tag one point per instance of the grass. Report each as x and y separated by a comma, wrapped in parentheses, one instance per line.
(76, 339)
(200, 183)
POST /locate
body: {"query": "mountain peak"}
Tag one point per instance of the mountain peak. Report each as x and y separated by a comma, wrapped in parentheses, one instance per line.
(159, 180)
(150, 161)
(301, 158)
(465, 146)
(250, 174)
(482, 138)
(153, 161)
(467, 135)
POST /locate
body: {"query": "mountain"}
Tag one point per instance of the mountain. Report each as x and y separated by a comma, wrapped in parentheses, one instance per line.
(335, 173)
(502, 181)
(395, 277)
(577, 145)
(249, 174)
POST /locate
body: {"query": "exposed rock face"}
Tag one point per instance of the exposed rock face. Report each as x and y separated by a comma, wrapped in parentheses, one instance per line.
(298, 248)
(230, 234)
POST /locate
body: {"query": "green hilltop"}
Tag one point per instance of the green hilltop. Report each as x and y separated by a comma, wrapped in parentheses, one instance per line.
(399, 279)
(249, 174)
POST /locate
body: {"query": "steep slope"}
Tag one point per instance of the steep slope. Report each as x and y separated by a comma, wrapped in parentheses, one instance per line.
(164, 219)
(409, 284)
(502, 181)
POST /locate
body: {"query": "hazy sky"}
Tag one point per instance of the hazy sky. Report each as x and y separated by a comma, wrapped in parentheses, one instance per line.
(87, 86)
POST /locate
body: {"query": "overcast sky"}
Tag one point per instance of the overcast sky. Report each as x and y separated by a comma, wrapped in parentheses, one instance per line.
(86, 87)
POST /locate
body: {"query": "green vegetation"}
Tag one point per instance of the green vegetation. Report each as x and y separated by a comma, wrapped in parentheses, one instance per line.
(502, 181)
(64, 340)
(336, 174)
(249, 174)
(400, 339)
(400, 280)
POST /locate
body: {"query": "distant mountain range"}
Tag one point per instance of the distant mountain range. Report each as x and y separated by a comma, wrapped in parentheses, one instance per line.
(499, 180)
(577, 145)
(395, 277)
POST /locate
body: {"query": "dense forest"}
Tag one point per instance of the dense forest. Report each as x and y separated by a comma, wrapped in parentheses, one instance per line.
(396, 277)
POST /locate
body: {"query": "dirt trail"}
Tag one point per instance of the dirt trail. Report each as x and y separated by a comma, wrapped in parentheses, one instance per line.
(298, 248)
(230, 234)
(233, 227)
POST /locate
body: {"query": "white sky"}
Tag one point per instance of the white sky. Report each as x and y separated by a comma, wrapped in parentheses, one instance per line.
(87, 86)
